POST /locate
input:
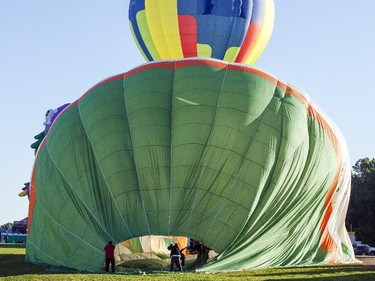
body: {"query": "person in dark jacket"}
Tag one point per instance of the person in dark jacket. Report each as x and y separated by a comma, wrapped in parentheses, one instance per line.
(175, 256)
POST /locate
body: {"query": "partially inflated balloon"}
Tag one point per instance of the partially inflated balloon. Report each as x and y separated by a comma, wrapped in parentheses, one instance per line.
(222, 153)
(231, 30)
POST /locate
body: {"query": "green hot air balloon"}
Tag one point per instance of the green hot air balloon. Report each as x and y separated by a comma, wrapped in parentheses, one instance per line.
(219, 152)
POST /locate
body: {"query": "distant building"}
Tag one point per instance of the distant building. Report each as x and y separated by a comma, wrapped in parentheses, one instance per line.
(17, 234)
(20, 226)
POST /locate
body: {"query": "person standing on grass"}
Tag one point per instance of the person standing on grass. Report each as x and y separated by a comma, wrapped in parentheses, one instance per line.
(175, 256)
(109, 256)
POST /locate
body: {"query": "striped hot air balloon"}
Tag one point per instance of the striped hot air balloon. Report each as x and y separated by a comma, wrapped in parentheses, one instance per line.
(230, 30)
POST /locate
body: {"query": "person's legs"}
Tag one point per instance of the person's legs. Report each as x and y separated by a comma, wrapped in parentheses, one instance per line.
(171, 266)
(179, 264)
(113, 265)
(107, 265)
(175, 261)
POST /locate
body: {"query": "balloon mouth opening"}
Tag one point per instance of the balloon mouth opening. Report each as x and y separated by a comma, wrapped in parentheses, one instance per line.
(153, 254)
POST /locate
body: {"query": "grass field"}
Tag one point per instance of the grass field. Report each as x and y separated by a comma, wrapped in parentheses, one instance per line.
(13, 267)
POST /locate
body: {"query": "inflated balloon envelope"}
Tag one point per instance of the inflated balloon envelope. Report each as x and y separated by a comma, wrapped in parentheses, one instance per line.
(231, 30)
(219, 152)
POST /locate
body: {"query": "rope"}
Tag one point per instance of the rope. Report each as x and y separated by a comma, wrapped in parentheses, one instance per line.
(40, 250)
(71, 233)
(73, 190)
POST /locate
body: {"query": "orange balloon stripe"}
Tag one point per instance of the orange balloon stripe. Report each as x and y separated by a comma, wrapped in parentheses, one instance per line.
(250, 38)
(32, 198)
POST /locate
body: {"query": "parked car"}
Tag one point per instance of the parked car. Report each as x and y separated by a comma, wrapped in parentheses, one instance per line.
(363, 249)
(372, 251)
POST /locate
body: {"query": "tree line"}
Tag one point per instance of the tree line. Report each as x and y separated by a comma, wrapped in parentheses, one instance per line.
(361, 210)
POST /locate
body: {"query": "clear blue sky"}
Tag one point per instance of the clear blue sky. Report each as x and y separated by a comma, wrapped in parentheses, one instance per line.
(51, 52)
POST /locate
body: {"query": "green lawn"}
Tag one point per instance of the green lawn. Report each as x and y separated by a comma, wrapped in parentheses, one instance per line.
(13, 267)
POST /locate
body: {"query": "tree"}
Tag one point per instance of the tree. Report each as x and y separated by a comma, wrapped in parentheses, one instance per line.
(7, 226)
(360, 217)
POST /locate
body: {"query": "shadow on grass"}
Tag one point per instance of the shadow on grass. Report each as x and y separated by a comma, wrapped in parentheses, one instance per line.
(15, 265)
(352, 277)
(12, 245)
(12, 265)
(336, 273)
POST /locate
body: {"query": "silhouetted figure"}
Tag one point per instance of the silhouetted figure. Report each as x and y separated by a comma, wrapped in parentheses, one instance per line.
(182, 257)
(202, 251)
(175, 256)
(109, 256)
